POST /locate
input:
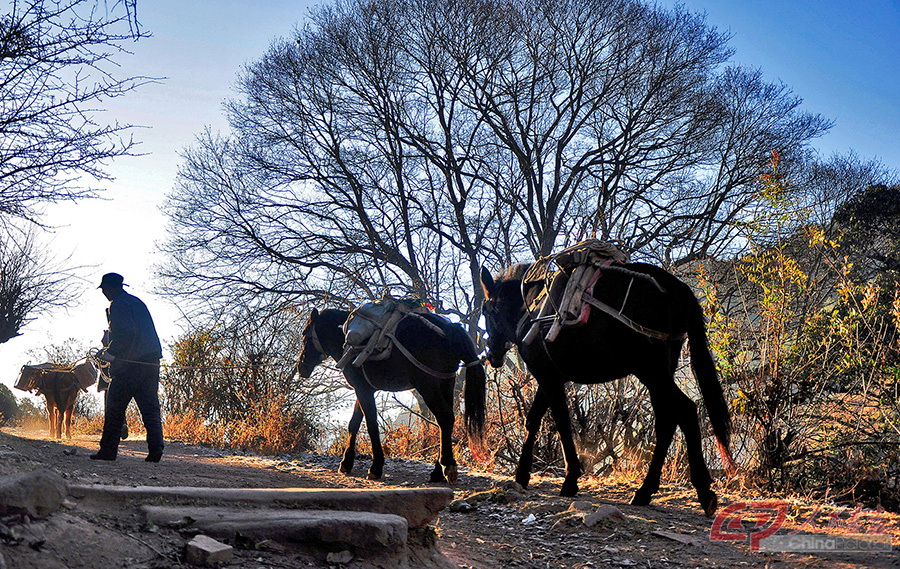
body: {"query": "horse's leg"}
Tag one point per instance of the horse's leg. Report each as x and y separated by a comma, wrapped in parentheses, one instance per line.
(673, 408)
(439, 400)
(56, 418)
(51, 420)
(664, 426)
(559, 408)
(532, 426)
(59, 423)
(353, 428)
(700, 477)
(366, 400)
(69, 410)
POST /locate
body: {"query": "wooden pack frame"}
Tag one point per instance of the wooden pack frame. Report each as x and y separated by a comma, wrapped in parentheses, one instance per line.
(569, 277)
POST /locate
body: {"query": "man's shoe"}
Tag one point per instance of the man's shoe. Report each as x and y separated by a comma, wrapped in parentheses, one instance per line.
(153, 456)
(103, 456)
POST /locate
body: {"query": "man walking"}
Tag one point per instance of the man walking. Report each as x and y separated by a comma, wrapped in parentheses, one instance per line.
(134, 352)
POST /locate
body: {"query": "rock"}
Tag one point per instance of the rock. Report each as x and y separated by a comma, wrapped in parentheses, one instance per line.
(204, 550)
(581, 505)
(500, 495)
(339, 557)
(461, 506)
(602, 514)
(37, 494)
(9, 455)
(513, 496)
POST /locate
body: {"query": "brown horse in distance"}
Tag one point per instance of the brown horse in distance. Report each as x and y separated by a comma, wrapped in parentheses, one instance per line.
(60, 390)
(59, 384)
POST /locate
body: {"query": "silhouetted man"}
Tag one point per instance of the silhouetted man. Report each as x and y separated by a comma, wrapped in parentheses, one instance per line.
(134, 352)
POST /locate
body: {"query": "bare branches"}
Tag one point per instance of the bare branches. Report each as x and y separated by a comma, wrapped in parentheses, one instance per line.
(397, 146)
(56, 70)
(31, 283)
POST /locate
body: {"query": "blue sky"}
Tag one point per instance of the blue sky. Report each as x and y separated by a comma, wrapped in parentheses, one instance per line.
(842, 58)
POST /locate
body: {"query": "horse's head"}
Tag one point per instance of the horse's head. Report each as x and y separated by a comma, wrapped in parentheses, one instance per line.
(503, 309)
(311, 352)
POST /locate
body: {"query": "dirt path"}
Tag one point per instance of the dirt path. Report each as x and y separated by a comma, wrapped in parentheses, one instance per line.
(534, 531)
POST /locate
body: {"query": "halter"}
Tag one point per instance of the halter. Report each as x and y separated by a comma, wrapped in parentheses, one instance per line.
(315, 341)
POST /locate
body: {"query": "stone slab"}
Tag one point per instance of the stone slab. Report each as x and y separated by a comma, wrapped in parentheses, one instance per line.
(418, 505)
(357, 531)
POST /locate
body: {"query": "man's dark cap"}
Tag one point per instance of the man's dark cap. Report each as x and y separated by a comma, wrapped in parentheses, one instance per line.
(112, 280)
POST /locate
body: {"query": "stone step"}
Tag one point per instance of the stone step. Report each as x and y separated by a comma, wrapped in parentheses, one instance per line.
(363, 533)
(419, 506)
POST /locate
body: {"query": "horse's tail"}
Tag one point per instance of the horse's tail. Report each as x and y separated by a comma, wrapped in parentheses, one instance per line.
(474, 392)
(705, 371)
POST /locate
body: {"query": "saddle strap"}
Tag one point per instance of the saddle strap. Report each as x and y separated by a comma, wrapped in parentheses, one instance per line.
(603, 307)
(417, 363)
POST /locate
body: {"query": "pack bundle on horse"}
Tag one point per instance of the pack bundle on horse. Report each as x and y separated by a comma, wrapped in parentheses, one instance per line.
(588, 316)
(59, 384)
(394, 346)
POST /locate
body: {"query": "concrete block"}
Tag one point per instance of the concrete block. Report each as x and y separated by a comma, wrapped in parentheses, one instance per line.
(356, 531)
(204, 550)
(418, 505)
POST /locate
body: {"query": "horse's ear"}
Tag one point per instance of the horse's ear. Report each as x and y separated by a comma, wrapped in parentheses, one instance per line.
(487, 282)
(314, 313)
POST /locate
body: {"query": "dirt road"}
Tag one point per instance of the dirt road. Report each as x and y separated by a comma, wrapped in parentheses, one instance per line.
(535, 530)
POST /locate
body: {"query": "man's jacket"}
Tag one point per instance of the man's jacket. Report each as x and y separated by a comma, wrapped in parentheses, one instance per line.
(132, 335)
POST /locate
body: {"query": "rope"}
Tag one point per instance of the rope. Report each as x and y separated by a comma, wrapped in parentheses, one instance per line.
(417, 363)
(629, 322)
(103, 364)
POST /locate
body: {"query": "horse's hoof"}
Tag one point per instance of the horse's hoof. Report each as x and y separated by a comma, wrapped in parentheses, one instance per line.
(452, 474)
(569, 489)
(523, 479)
(345, 469)
(709, 501)
(373, 476)
(641, 498)
(437, 475)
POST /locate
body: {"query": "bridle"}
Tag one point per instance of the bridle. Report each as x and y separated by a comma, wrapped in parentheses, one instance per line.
(316, 343)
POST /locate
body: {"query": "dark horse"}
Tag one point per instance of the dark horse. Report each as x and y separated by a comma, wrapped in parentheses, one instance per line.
(439, 353)
(604, 349)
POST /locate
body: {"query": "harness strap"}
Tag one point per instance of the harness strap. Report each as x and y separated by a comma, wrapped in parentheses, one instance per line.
(603, 307)
(417, 363)
(476, 362)
(315, 341)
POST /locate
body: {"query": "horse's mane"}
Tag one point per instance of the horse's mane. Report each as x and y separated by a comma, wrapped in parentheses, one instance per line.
(513, 272)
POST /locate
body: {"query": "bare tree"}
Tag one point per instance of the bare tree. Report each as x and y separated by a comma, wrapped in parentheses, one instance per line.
(57, 63)
(396, 146)
(31, 283)
(56, 70)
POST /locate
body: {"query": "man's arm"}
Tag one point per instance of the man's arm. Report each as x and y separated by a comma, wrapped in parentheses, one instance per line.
(122, 329)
